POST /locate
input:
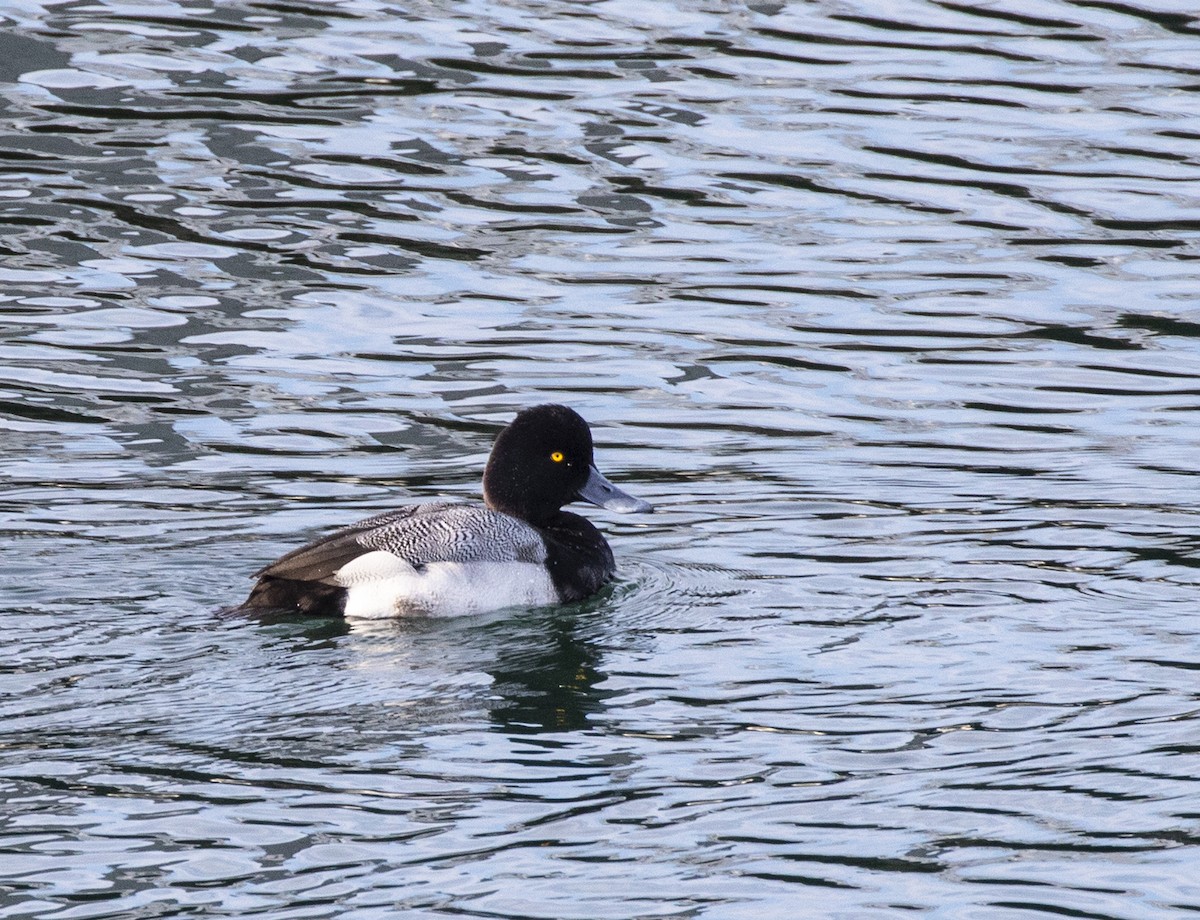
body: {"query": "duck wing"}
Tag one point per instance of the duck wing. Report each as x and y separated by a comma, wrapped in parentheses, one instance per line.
(421, 534)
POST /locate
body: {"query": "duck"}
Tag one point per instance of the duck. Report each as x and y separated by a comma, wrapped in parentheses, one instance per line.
(518, 548)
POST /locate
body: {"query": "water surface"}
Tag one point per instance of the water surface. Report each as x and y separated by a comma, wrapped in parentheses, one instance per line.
(891, 312)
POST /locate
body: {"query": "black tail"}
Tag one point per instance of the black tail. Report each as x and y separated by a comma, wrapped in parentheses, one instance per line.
(300, 598)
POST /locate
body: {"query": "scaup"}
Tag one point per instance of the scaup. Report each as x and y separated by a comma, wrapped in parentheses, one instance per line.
(444, 558)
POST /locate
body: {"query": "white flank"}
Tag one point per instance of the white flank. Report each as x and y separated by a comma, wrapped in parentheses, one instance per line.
(380, 585)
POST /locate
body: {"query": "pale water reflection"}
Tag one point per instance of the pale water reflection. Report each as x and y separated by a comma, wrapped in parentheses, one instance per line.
(890, 312)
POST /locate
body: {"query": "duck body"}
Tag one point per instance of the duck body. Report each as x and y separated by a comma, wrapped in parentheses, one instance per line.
(519, 548)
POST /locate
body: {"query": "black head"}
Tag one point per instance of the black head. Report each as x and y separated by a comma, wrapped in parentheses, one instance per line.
(538, 463)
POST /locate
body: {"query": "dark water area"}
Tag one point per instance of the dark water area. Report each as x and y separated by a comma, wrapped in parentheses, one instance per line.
(892, 310)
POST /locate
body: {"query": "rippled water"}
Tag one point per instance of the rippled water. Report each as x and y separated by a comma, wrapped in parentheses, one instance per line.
(891, 309)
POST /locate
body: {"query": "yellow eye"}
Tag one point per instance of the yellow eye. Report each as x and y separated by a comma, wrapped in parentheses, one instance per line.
(557, 456)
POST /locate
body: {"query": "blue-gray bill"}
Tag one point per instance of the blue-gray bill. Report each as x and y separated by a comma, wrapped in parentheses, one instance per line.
(599, 491)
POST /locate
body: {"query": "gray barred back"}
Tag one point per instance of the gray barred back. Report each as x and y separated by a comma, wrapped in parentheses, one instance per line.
(419, 534)
(446, 532)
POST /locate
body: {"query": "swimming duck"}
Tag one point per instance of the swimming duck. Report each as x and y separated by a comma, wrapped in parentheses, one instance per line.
(443, 558)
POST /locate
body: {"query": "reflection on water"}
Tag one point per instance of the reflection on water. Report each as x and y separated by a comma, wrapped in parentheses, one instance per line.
(888, 311)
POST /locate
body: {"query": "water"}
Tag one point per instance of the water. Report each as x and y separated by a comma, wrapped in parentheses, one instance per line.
(890, 310)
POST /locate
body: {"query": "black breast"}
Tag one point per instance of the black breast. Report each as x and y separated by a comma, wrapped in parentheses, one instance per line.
(577, 556)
